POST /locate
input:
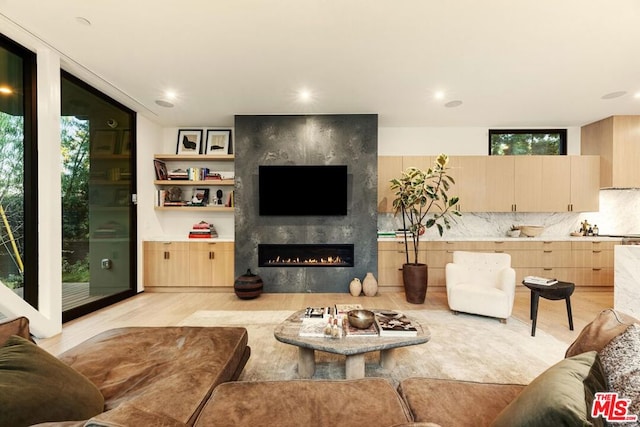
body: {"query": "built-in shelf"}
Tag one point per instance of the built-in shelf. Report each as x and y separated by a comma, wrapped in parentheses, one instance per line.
(204, 157)
(197, 208)
(199, 183)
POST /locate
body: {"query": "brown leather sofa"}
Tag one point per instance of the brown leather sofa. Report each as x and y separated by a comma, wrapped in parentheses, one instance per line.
(148, 378)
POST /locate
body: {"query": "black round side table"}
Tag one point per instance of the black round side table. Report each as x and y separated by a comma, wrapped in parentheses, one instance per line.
(557, 291)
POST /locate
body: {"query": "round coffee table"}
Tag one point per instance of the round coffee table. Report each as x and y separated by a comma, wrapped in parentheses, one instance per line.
(557, 291)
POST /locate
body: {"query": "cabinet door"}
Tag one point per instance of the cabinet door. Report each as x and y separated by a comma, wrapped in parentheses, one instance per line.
(211, 264)
(585, 183)
(389, 167)
(469, 172)
(528, 183)
(555, 184)
(500, 182)
(166, 264)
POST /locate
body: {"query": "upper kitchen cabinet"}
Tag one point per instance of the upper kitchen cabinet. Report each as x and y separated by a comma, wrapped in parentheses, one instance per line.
(390, 167)
(469, 173)
(616, 140)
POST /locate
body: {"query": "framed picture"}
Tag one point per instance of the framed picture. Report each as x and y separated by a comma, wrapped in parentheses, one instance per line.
(200, 197)
(218, 141)
(161, 170)
(104, 142)
(125, 144)
(189, 141)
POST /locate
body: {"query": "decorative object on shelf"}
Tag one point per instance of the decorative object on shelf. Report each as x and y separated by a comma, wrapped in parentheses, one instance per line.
(514, 231)
(189, 141)
(218, 141)
(355, 287)
(531, 230)
(370, 285)
(174, 194)
(219, 197)
(161, 170)
(248, 286)
(422, 199)
(200, 197)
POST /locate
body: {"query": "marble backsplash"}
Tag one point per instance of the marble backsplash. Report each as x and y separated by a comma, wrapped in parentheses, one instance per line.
(619, 214)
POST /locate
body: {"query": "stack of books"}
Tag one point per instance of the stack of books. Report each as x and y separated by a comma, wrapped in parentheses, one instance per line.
(203, 230)
(178, 174)
(544, 281)
(401, 233)
(394, 324)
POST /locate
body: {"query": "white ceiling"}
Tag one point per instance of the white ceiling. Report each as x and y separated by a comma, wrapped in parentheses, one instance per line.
(513, 63)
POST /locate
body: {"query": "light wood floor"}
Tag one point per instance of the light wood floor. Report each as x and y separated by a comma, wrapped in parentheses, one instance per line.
(166, 309)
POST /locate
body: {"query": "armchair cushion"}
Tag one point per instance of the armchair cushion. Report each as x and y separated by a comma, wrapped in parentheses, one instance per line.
(18, 326)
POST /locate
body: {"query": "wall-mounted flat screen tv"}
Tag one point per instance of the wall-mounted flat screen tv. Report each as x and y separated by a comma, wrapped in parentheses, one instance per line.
(302, 190)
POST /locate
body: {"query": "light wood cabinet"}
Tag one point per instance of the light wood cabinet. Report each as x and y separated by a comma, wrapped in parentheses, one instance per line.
(508, 183)
(588, 263)
(211, 264)
(616, 140)
(166, 264)
(188, 264)
(390, 167)
(469, 173)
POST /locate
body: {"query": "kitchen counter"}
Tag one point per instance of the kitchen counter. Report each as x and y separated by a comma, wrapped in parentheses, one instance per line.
(505, 238)
(626, 279)
(182, 238)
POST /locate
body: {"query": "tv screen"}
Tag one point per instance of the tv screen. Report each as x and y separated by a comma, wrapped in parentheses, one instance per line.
(303, 190)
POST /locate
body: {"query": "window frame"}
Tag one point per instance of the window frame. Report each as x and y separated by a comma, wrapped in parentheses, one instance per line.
(562, 132)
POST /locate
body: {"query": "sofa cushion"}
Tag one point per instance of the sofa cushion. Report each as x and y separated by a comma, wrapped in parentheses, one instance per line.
(365, 402)
(36, 387)
(454, 402)
(600, 331)
(18, 326)
(159, 371)
(560, 396)
(621, 363)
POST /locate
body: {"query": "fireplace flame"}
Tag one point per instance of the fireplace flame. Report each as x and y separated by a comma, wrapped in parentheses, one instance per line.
(297, 260)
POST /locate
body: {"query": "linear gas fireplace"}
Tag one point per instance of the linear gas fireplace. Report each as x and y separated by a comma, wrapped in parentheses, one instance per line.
(305, 255)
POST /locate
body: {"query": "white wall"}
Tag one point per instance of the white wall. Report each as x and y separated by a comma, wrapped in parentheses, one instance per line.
(414, 141)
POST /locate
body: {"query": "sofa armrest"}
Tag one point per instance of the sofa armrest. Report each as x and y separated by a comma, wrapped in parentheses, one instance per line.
(507, 280)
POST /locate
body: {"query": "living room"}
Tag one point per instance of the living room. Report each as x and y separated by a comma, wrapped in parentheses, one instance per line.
(422, 108)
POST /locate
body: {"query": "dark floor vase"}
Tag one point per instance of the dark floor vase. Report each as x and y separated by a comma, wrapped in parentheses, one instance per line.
(248, 286)
(415, 277)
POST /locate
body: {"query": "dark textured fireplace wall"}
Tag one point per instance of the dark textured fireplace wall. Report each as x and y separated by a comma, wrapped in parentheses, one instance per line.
(350, 140)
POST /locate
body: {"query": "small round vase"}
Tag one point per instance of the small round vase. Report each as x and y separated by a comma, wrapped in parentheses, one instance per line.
(355, 287)
(370, 285)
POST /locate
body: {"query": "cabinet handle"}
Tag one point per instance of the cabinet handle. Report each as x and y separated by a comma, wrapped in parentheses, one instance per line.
(596, 269)
(596, 252)
(498, 243)
(449, 243)
(547, 252)
(547, 269)
(212, 255)
(498, 252)
(211, 243)
(167, 255)
(570, 207)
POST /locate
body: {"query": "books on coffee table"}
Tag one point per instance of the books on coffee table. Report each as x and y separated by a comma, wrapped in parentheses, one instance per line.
(312, 327)
(394, 324)
(351, 331)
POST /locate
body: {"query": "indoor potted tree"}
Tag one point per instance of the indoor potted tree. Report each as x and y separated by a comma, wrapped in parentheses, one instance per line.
(421, 197)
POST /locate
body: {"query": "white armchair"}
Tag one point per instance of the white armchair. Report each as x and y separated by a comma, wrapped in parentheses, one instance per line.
(481, 283)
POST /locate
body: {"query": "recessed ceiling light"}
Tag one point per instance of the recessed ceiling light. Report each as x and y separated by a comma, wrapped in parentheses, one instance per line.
(637, 95)
(439, 95)
(305, 95)
(82, 20)
(452, 104)
(5, 90)
(163, 103)
(612, 95)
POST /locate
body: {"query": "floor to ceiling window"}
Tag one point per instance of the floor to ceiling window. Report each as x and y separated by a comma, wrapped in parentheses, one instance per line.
(18, 171)
(98, 213)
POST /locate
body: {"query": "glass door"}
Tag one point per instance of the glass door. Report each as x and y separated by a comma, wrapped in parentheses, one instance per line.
(98, 213)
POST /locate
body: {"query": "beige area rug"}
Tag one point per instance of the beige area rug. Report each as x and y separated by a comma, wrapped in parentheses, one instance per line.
(462, 347)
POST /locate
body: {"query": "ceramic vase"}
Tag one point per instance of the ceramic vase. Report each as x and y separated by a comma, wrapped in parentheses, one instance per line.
(370, 285)
(355, 287)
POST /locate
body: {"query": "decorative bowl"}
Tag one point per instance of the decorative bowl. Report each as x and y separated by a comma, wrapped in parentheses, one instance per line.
(531, 230)
(361, 319)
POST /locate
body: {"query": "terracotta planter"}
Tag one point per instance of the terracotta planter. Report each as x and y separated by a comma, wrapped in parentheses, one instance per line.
(415, 277)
